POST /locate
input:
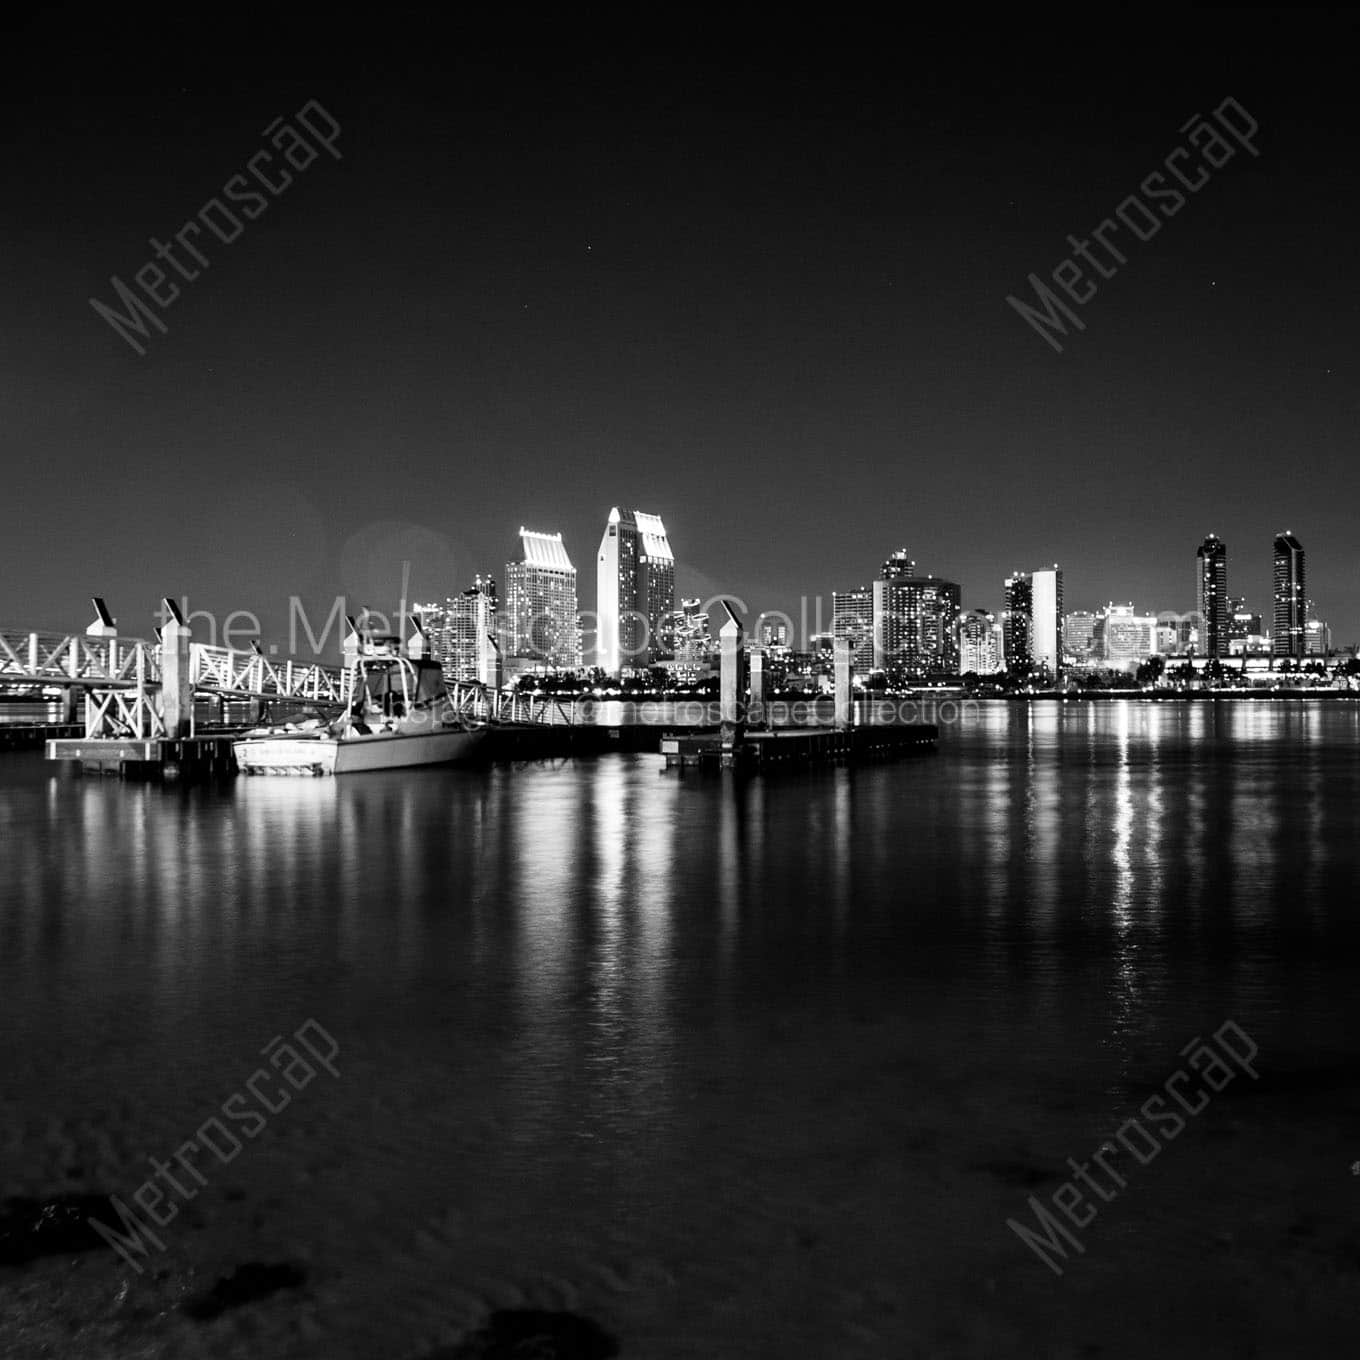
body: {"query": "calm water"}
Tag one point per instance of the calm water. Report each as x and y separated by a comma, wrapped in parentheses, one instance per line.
(735, 1069)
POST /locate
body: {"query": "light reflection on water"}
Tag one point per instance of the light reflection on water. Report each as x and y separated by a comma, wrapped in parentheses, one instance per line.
(1076, 885)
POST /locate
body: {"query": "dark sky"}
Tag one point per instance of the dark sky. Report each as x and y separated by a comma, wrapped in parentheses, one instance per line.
(756, 284)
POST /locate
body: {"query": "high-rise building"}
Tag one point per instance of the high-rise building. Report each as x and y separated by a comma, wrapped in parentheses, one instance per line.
(1211, 559)
(897, 566)
(979, 642)
(635, 581)
(1017, 620)
(914, 621)
(1079, 629)
(1046, 630)
(774, 633)
(471, 631)
(1291, 598)
(541, 604)
(852, 616)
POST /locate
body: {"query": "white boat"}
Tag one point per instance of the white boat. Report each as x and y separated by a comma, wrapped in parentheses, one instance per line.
(400, 715)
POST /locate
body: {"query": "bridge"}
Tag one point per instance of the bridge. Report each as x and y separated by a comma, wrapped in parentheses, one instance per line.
(145, 689)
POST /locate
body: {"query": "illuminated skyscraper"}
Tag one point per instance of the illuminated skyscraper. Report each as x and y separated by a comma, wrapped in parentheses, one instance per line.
(979, 643)
(1046, 629)
(914, 620)
(852, 616)
(635, 584)
(471, 627)
(1017, 620)
(1291, 598)
(541, 603)
(1212, 596)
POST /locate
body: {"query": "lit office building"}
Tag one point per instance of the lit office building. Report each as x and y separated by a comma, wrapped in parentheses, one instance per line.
(914, 621)
(1046, 629)
(1176, 634)
(979, 643)
(471, 621)
(1017, 620)
(1079, 637)
(635, 580)
(1211, 558)
(1124, 639)
(1291, 621)
(541, 608)
(1246, 635)
(852, 616)
(1317, 637)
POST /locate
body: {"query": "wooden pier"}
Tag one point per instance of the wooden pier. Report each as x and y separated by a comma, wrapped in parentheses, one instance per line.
(782, 748)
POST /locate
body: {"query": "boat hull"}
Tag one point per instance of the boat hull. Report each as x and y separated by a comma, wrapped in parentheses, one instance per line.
(326, 755)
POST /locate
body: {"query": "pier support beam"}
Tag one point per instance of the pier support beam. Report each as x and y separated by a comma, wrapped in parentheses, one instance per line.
(104, 626)
(845, 711)
(177, 689)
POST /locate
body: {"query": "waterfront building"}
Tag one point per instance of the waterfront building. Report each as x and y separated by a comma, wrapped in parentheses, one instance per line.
(1177, 634)
(1046, 627)
(1079, 638)
(1124, 639)
(852, 616)
(1246, 635)
(1017, 620)
(1317, 637)
(980, 647)
(472, 621)
(1211, 587)
(541, 622)
(1291, 622)
(635, 582)
(914, 621)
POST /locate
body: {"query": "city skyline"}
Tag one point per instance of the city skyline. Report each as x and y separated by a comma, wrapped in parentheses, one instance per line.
(782, 334)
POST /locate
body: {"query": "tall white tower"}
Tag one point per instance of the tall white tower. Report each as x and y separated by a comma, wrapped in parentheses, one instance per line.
(635, 591)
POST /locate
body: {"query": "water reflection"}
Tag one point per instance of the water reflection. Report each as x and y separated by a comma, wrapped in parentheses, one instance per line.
(581, 926)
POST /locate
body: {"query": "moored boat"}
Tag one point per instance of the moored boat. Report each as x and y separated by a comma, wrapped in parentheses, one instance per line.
(399, 715)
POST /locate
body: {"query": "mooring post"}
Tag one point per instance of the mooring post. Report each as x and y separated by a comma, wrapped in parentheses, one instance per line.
(845, 712)
(755, 710)
(177, 688)
(104, 626)
(731, 653)
(417, 645)
(351, 647)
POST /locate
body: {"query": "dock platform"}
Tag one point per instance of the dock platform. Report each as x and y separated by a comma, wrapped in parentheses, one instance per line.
(190, 758)
(778, 748)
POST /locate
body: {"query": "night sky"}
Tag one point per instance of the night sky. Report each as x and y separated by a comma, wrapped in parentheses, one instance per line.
(755, 283)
